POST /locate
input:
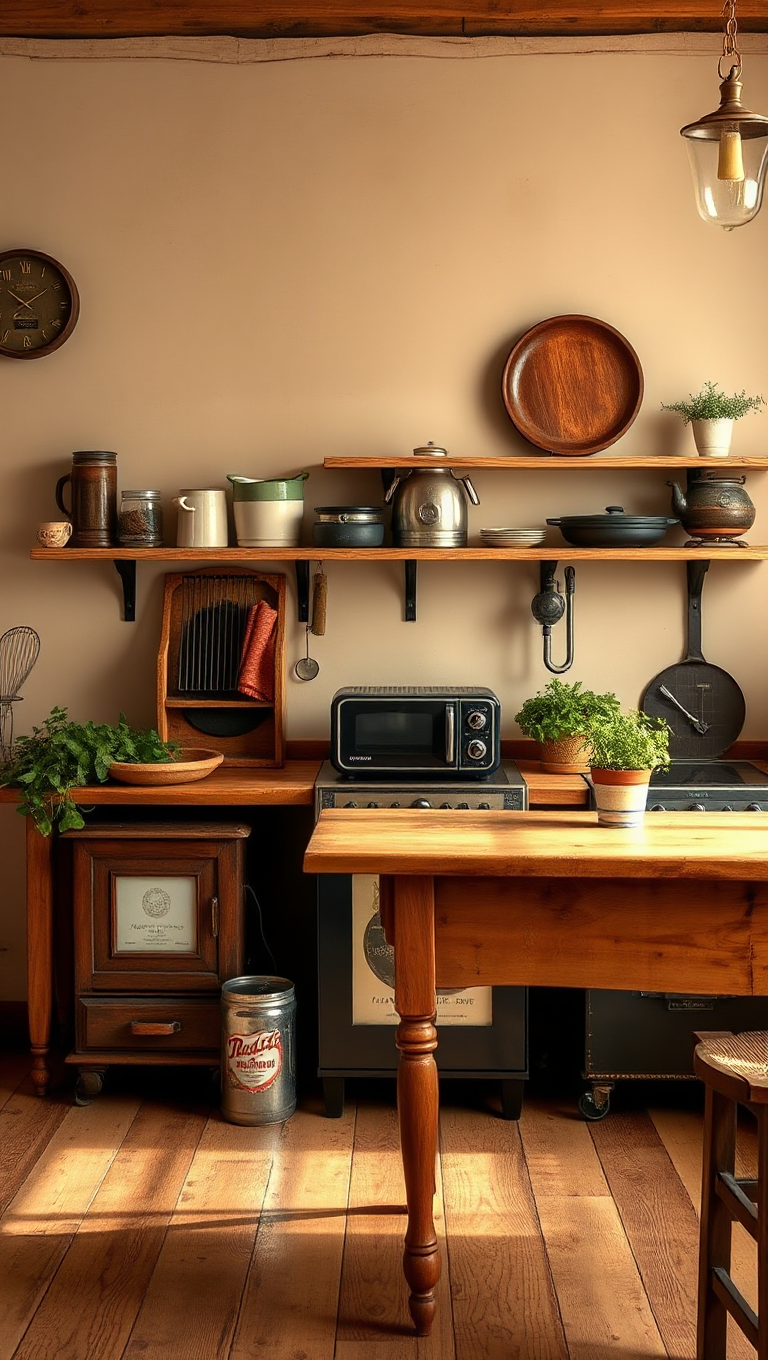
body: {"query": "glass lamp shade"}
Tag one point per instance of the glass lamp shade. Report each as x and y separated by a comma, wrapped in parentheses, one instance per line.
(728, 151)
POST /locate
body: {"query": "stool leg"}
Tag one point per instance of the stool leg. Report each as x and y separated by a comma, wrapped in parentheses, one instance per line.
(762, 1230)
(715, 1234)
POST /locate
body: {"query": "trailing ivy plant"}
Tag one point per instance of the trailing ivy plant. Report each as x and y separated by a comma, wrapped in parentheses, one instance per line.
(712, 404)
(62, 755)
(561, 710)
(629, 741)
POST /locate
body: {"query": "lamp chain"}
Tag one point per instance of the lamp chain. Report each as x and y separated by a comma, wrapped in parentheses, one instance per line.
(730, 47)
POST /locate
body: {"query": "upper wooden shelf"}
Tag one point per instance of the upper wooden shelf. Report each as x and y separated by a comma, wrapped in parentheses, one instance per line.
(537, 462)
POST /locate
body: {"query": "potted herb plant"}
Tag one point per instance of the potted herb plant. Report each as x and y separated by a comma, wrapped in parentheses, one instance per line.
(559, 717)
(711, 414)
(62, 755)
(625, 748)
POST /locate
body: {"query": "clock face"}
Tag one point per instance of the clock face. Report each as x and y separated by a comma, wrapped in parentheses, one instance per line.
(39, 304)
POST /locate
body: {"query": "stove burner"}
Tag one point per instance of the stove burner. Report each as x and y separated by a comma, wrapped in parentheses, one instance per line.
(720, 774)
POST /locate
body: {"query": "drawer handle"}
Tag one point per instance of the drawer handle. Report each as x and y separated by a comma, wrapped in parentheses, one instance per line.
(154, 1026)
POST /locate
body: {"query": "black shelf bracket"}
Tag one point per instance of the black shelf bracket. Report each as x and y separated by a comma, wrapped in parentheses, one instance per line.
(127, 573)
(410, 590)
(302, 590)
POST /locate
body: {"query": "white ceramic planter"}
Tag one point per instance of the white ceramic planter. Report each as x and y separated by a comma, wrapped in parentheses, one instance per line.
(712, 437)
(268, 524)
(620, 796)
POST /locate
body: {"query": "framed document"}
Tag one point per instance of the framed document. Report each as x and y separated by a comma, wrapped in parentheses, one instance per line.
(154, 914)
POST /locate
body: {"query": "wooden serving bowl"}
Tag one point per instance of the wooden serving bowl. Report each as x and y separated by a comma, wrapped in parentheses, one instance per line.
(192, 762)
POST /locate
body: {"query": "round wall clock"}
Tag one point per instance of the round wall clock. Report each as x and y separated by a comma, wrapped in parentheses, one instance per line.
(39, 304)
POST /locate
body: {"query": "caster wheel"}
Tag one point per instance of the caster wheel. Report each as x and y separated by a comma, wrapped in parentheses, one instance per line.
(590, 1109)
(89, 1084)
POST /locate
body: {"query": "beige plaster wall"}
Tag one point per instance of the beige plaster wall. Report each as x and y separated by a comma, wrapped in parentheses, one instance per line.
(279, 262)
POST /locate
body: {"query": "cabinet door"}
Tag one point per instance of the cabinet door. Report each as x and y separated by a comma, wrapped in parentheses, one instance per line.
(147, 915)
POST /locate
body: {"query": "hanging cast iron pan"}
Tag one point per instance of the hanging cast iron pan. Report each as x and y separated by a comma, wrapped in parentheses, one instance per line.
(710, 696)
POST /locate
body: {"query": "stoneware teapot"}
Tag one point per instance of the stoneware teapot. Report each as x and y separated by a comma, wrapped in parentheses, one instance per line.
(715, 509)
(429, 507)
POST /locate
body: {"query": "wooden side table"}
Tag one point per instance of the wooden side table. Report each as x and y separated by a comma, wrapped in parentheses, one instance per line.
(158, 925)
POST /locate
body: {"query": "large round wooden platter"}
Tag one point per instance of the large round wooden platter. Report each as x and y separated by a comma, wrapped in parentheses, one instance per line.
(572, 385)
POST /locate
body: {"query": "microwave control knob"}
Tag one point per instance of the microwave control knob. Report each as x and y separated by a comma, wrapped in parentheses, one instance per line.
(421, 803)
(754, 807)
(476, 749)
(696, 807)
(476, 719)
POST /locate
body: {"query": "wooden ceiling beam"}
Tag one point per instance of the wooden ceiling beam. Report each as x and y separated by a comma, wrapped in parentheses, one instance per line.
(337, 18)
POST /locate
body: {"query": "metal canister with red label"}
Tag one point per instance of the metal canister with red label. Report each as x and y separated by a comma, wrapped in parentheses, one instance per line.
(258, 1050)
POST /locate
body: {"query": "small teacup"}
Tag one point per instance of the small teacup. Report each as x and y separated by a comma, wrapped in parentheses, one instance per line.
(54, 533)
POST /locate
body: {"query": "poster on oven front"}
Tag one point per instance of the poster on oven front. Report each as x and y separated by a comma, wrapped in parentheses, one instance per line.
(373, 974)
(155, 915)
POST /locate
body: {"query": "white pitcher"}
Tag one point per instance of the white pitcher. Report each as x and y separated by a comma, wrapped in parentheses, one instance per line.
(202, 520)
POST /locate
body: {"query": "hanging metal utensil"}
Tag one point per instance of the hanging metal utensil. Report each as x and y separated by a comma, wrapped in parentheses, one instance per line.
(19, 650)
(548, 608)
(306, 668)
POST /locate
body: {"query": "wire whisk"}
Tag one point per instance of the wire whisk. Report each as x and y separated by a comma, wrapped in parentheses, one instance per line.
(19, 650)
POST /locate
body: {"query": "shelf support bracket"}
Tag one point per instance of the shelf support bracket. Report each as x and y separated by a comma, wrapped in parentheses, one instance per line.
(410, 590)
(302, 590)
(127, 573)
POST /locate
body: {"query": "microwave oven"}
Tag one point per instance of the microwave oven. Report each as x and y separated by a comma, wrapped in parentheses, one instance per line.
(434, 732)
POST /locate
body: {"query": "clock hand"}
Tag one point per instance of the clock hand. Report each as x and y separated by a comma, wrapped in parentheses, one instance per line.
(34, 299)
(701, 727)
(21, 301)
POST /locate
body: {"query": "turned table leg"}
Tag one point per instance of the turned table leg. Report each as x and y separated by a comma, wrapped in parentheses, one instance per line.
(413, 927)
(39, 951)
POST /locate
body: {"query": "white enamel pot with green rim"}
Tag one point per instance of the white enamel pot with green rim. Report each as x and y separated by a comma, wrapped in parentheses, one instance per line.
(268, 510)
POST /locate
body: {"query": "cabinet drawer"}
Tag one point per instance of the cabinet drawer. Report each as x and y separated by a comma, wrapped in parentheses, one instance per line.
(180, 1024)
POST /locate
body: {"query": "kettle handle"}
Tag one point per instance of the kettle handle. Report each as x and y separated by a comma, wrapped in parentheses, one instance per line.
(390, 491)
(473, 496)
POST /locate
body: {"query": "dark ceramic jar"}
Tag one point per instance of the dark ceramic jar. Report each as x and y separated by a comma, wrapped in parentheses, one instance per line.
(93, 489)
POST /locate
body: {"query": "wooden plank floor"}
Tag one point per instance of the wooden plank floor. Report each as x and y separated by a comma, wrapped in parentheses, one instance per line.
(144, 1227)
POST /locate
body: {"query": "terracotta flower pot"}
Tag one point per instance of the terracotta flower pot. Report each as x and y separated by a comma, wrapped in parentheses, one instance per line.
(567, 755)
(620, 795)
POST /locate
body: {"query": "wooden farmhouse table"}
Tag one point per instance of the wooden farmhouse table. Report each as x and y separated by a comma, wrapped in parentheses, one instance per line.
(548, 899)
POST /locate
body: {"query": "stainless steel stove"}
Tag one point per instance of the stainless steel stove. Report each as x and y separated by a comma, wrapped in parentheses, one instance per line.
(709, 786)
(483, 1030)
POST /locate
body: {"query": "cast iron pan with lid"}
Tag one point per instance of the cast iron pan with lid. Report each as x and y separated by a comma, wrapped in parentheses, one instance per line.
(702, 703)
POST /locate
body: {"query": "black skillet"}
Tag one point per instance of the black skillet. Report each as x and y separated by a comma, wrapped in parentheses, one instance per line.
(702, 703)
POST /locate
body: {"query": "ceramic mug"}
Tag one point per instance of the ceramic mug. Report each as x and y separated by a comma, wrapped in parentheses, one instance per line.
(202, 521)
(54, 533)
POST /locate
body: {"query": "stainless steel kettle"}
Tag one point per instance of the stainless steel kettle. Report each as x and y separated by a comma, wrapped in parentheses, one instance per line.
(430, 508)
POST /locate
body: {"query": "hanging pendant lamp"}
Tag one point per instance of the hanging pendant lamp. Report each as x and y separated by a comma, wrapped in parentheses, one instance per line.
(728, 148)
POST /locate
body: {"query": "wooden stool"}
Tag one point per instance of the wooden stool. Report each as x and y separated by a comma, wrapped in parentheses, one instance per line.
(734, 1069)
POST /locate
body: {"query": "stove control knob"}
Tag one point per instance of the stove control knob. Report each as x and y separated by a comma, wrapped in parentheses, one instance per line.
(754, 807)
(421, 803)
(463, 806)
(484, 806)
(395, 805)
(726, 808)
(476, 749)
(658, 807)
(350, 804)
(696, 807)
(373, 805)
(476, 719)
(445, 805)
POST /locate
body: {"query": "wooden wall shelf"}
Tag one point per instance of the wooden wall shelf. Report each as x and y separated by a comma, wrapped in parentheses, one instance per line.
(125, 560)
(547, 461)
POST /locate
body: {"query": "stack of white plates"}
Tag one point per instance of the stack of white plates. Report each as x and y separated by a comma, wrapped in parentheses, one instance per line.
(512, 538)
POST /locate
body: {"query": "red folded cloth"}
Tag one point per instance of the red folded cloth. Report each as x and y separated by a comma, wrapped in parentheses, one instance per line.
(256, 676)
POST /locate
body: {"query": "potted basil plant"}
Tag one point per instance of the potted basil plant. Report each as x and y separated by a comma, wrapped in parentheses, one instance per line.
(625, 749)
(711, 414)
(558, 717)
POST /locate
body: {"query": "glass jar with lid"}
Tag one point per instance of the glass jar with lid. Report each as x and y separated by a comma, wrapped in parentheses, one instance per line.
(140, 520)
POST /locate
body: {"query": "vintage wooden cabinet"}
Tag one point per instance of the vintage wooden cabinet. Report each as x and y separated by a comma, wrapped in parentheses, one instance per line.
(158, 925)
